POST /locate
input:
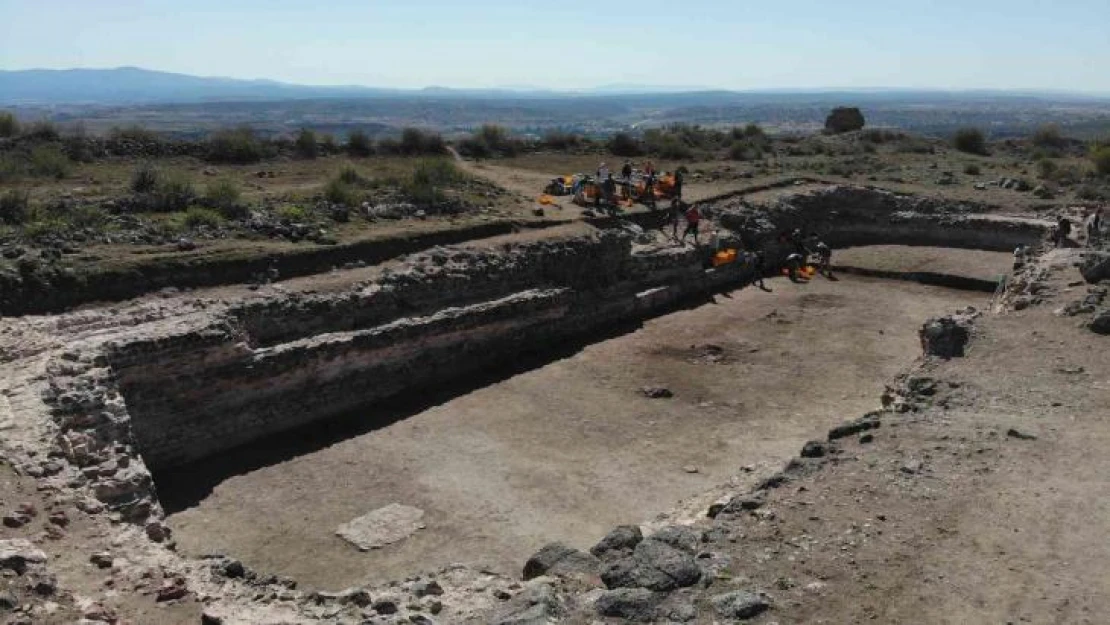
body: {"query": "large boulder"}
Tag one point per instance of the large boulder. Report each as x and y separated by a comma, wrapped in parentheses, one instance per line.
(1095, 267)
(654, 565)
(1101, 323)
(945, 337)
(740, 604)
(630, 604)
(561, 561)
(622, 540)
(844, 119)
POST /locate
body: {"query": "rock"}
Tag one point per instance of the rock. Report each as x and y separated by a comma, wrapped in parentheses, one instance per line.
(630, 604)
(911, 467)
(562, 561)
(865, 439)
(690, 468)
(172, 590)
(429, 588)
(537, 605)
(1095, 267)
(815, 449)
(622, 540)
(680, 537)
(59, 518)
(17, 553)
(653, 565)
(1101, 323)
(186, 245)
(16, 520)
(945, 337)
(420, 619)
(385, 606)
(45, 586)
(681, 612)
(1013, 433)
(8, 601)
(537, 212)
(209, 618)
(656, 392)
(851, 428)
(355, 596)
(102, 560)
(1043, 192)
(382, 527)
(157, 531)
(740, 604)
(738, 505)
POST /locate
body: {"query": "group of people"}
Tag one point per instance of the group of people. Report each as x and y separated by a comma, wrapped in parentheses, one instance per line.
(608, 183)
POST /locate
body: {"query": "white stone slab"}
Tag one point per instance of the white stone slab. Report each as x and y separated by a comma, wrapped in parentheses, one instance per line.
(382, 527)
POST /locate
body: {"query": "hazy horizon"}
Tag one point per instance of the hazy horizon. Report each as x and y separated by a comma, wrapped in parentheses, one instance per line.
(497, 44)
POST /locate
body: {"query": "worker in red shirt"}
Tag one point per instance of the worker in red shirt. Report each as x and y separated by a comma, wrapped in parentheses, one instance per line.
(693, 218)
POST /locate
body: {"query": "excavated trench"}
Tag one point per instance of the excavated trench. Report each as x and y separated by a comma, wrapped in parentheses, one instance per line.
(497, 389)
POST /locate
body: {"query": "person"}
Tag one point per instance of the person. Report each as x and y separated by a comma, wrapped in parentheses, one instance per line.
(824, 259)
(626, 180)
(626, 171)
(693, 218)
(1094, 227)
(678, 183)
(609, 189)
(1063, 231)
(759, 267)
(794, 264)
(649, 190)
(677, 211)
(602, 173)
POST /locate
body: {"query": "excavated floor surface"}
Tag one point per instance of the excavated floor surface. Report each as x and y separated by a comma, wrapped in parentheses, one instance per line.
(567, 450)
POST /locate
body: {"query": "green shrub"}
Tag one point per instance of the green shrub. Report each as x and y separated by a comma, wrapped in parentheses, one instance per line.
(624, 144)
(428, 179)
(173, 193)
(145, 178)
(134, 133)
(972, 170)
(342, 193)
(291, 214)
(328, 145)
(46, 229)
(416, 142)
(11, 167)
(1047, 168)
(349, 175)
(197, 217)
(971, 141)
(1100, 156)
(9, 126)
(490, 140)
(48, 161)
(239, 145)
(359, 144)
(745, 152)
(223, 195)
(305, 144)
(15, 207)
(474, 147)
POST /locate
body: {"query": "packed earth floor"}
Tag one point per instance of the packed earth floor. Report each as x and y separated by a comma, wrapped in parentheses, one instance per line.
(569, 449)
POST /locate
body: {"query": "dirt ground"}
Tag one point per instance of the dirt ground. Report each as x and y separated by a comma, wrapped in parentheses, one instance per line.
(905, 259)
(567, 450)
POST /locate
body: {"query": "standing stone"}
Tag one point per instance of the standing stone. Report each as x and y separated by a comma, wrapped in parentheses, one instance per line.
(740, 604)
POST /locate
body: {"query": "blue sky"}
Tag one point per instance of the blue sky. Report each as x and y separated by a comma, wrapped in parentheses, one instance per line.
(730, 44)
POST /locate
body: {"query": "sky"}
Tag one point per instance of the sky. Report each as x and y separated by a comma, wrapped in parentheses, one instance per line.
(573, 44)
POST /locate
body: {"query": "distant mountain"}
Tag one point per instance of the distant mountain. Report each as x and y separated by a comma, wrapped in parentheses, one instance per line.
(137, 86)
(133, 85)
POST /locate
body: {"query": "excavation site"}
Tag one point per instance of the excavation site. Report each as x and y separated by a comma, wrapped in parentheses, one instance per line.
(473, 418)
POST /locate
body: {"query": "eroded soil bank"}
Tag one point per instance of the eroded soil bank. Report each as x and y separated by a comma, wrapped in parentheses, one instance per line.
(568, 450)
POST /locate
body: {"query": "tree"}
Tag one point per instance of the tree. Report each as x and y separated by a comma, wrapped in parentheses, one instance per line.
(844, 119)
(970, 140)
(305, 144)
(359, 144)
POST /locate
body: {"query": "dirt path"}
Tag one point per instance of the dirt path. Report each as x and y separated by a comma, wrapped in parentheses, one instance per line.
(566, 451)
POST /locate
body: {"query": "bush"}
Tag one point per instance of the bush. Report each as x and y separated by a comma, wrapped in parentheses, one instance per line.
(197, 217)
(305, 144)
(1049, 136)
(844, 119)
(490, 140)
(972, 170)
(43, 130)
(291, 214)
(426, 183)
(9, 126)
(624, 144)
(328, 145)
(1047, 168)
(1100, 156)
(359, 144)
(971, 141)
(48, 161)
(223, 195)
(557, 140)
(415, 142)
(145, 178)
(350, 175)
(133, 133)
(240, 146)
(744, 152)
(343, 193)
(173, 193)
(15, 207)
